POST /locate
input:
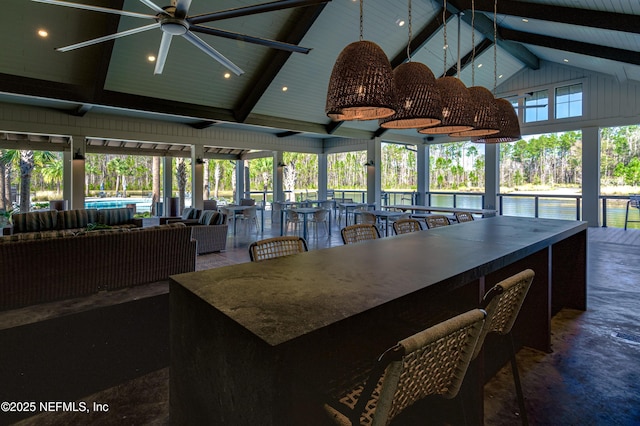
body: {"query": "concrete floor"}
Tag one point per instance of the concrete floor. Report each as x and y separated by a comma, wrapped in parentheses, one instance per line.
(592, 377)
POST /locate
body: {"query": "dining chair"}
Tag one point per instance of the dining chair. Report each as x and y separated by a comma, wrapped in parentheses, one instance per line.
(463, 217)
(502, 303)
(270, 248)
(436, 221)
(405, 226)
(431, 362)
(250, 217)
(359, 232)
(320, 216)
(292, 218)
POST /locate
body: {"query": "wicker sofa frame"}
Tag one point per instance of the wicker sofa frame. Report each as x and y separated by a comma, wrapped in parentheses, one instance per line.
(42, 270)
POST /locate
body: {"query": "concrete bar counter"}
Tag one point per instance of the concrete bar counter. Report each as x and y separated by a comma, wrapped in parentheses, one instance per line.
(254, 343)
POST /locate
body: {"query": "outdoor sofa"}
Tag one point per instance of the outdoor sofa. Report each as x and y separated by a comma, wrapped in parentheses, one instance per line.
(42, 266)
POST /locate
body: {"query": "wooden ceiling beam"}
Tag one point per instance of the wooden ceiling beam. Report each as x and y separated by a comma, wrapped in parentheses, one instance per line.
(561, 14)
(611, 53)
(304, 19)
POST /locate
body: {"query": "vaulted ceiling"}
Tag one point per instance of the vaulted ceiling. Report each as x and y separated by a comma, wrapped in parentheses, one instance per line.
(115, 77)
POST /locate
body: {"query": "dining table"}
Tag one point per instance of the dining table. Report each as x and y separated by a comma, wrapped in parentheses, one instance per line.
(260, 342)
(385, 215)
(353, 206)
(236, 209)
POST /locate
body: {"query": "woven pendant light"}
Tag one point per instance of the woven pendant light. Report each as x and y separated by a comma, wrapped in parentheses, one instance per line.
(457, 108)
(485, 114)
(507, 122)
(361, 85)
(418, 102)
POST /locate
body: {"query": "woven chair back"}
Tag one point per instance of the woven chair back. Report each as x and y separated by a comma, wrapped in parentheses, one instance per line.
(366, 217)
(436, 221)
(405, 226)
(463, 217)
(276, 247)
(502, 304)
(359, 232)
(431, 362)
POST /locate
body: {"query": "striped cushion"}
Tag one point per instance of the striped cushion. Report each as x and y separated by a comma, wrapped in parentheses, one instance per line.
(115, 216)
(35, 221)
(208, 217)
(73, 219)
(188, 213)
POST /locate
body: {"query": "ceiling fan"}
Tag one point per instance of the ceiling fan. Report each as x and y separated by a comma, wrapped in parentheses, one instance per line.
(174, 20)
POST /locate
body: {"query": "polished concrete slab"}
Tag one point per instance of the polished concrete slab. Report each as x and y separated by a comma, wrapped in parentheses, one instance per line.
(591, 377)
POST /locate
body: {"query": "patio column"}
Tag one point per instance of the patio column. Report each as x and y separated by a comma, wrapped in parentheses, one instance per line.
(278, 176)
(423, 173)
(322, 176)
(197, 176)
(491, 175)
(239, 180)
(167, 184)
(591, 175)
(75, 179)
(374, 176)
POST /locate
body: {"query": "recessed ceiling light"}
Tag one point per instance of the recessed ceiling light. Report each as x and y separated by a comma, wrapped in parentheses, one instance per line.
(566, 60)
(285, 88)
(400, 22)
(151, 58)
(43, 33)
(525, 20)
(500, 76)
(479, 65)
(445, 46)
(227, 75)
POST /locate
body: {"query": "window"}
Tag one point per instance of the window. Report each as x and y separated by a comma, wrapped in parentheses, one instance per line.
(569, 101)
(537, 107)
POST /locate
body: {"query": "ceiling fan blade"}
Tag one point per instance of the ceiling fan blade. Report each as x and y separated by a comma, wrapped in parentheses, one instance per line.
(182, 8)
(108, 37)
(154, 6)
(251, 10)
(202, 45)
(163, 52)
(96, 8)
(250, 39)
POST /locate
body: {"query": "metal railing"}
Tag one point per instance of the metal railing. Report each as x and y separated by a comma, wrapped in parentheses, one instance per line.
(550, 206)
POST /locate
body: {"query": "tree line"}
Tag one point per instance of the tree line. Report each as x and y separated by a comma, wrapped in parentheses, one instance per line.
(546, 160)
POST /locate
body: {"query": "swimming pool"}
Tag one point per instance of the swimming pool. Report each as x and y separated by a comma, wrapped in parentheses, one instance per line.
(142, 204)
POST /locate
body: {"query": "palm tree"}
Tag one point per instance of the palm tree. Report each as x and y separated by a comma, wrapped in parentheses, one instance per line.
(52, 172)
(181, 175)
(27, 161)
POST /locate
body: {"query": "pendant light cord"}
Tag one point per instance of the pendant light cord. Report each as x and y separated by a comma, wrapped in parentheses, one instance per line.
(444, 29)
(361, 22)
(495, 47)
(473, 42)
(410, 34)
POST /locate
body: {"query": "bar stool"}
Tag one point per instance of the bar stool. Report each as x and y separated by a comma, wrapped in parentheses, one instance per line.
(502, 304)
(430, 362)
